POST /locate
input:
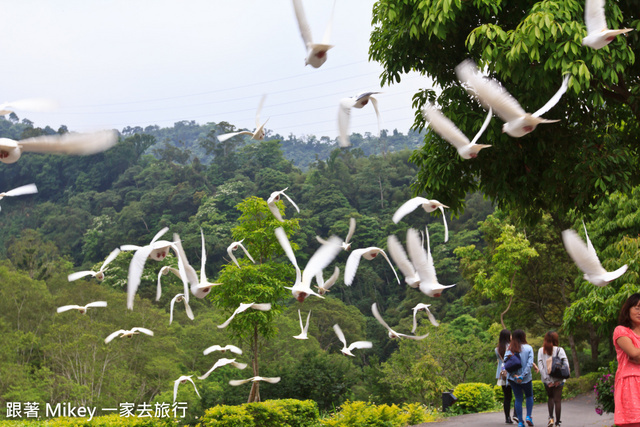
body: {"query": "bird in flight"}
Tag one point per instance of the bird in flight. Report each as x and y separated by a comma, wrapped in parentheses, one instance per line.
(344, 114)
(99, 275)
(493, 95)
(598, 34)
(82, 309)
(301, 289)
(257, 134)
(316, 52)
(454, 136)
(68, 143)
(346, 350)
(428, 206)
(586, 258)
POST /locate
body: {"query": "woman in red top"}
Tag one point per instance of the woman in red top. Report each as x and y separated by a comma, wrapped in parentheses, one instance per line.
(626, 338)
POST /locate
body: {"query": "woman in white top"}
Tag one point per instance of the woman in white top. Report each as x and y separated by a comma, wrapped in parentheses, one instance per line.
(552, 385)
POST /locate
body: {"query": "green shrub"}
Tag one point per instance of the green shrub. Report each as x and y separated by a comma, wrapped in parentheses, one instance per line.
(285, 413)
(418, 413)
(584, 384)
(101, 421)
(498, 395)
(282, 413)
(474, 397)
(367, 414)
(226, 416)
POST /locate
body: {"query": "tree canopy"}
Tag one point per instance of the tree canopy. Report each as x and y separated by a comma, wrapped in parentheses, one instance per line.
(527, 46)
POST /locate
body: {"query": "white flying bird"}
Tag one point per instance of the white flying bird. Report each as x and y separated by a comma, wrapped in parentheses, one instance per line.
(234, 246)
(587, 260)
(157, 250)
(322, 286)
(423, 262)
(254, 379)
(20, 191)
(68, 143)
(392, 333)
(34, 105)
(346, 245)
(124, 333)
(424, 307)
(204, 286)
(273, 198)
(99, 275)
(182, 380)
(354, 345)
(320, 259)
(257, 134)
(180, 298)
(354, 260)
(399, 256)
(316, 52)
(305, 328)
(491, 94)
(454, 136)
(82, 308)
(244, 307)
(344, 114)
(163, 272)
(200, 287)
(428, 206)
(228, 347)
(598, 35)
(223, 362)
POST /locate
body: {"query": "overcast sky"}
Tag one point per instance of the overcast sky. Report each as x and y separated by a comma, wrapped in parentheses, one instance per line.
(118, 63)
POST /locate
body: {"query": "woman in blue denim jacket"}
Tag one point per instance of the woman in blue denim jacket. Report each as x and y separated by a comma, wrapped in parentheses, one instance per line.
(520, 380)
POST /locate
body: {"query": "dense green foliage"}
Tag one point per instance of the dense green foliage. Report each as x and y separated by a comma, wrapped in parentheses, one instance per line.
(474, 397)
(527, 45)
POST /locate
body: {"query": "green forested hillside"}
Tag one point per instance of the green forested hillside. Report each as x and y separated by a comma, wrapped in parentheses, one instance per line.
(88, 206)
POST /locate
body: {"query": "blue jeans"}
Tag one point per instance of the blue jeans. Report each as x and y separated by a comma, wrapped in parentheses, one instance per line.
(518, 391)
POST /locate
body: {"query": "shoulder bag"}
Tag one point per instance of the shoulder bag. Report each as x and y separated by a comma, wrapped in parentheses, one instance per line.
(558, 369)
(513, 363)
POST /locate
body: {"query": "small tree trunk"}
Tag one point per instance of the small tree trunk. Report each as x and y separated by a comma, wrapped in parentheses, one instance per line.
(594, 341)
(574, 356)
(254, 394)
(508, 306)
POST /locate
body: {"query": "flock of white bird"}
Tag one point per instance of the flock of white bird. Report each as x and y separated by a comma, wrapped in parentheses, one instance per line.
(418, 269)
(416, 264)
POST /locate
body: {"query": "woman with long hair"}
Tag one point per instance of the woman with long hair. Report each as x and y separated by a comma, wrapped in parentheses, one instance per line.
(501, 374)
(520, 380)
(626, 338)
(553, 386)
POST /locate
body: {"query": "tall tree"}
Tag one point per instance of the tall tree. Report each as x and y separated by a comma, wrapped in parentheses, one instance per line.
(527, 45)
(262, 282)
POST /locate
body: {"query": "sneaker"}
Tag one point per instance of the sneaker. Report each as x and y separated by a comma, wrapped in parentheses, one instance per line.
(529, 421)
(551, 422)
(558, 424)
(520, 424)
(515, 418)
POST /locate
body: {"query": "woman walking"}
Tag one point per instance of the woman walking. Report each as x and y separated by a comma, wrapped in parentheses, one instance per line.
(626, 338)
(501, 374)
(520, 380)
(553, 386)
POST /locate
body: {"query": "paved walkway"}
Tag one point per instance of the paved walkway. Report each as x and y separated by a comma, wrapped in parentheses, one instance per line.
(576, 412)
